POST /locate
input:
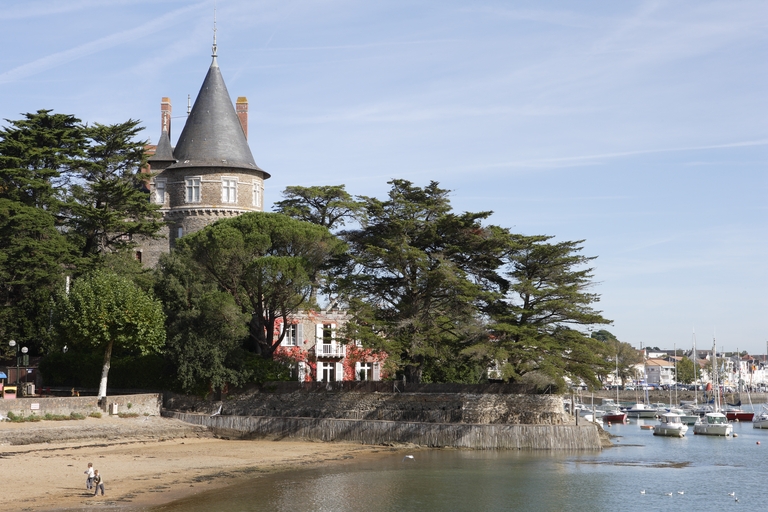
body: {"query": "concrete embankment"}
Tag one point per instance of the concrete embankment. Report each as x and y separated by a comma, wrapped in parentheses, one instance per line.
(460, 417)
(379, 432)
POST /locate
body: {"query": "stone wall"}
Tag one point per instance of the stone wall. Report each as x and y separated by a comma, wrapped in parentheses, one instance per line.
(144, 404)
(470, 408)
(435, 435)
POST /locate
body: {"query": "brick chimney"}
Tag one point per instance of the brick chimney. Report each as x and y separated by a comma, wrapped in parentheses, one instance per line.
(165, 115)
(242, 113)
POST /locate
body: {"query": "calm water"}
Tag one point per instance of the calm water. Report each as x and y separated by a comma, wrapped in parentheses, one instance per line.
(704, 468)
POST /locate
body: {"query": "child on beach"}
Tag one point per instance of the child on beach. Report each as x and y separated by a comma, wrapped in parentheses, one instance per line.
(89, 478)
(98, 483)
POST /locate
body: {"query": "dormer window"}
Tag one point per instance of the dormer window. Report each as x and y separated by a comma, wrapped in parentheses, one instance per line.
(192, 186)
(228, 190)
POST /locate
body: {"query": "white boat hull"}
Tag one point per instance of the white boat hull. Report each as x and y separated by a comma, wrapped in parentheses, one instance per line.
(670, 431)
(713, 424)
(760, 422)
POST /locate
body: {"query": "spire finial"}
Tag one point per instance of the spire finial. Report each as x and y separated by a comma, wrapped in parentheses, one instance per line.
(213, 54)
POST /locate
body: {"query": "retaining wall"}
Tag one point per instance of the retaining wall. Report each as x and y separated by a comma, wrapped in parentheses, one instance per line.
(432, 407)
(144, 404)
(461, 435)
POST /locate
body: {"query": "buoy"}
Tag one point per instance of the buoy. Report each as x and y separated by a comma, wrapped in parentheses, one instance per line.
(609, 423)
(735, 435)
(758, 442)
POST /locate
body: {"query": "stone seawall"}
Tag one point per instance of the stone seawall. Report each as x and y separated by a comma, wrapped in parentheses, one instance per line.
(436, 435)
(143, 404)
(470, 408)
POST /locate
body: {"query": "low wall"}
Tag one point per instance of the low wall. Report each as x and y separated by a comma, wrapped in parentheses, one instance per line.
(373, 432)
(144, 404)
(433, 407)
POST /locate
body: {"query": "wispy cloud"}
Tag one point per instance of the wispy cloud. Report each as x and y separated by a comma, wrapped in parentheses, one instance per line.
(99, 45)
(36, 8)
(595, 159)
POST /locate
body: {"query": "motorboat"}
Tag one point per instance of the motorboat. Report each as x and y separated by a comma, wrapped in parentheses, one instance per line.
(686, 416)
(670, 425)
(738, 414)
(713, 424)
(762, 420)
(612, 414)
(641, 410)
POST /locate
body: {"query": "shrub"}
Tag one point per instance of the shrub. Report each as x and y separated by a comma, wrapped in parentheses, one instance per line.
(94, 414)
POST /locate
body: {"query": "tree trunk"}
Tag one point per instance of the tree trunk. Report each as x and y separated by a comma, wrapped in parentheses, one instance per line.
(105, 371)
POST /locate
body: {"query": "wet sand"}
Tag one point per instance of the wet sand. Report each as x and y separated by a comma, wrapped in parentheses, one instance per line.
(144, 462)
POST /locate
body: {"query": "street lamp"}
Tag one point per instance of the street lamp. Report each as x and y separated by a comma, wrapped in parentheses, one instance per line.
(24, 351)
(15, 345)
(25, 358)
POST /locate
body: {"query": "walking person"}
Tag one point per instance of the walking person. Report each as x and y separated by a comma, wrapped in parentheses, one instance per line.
(98, 483)
(89, 477)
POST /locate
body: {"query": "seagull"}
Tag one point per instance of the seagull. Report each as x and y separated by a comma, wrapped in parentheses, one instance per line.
(731, 494)
(218, 412)
(642, 492)
(736, 499)
(408, 457)
(680, 492)
(668, 493)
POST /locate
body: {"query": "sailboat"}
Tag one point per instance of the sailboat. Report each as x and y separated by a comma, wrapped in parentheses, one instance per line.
(714, 423)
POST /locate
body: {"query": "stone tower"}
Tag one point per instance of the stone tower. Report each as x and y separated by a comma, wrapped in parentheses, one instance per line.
(210, 174)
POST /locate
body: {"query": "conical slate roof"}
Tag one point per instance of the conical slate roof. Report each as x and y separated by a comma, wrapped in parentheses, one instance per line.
(212, 135)
(163, 152)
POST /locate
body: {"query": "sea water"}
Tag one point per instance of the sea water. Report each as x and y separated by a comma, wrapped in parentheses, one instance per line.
(690, 473)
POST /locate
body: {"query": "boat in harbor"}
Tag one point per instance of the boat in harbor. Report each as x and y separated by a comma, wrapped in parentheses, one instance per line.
(738, 414)
(612, 414)
(641, 410)
(714, 423)
(670, 425)
(686, 416)
(762, 419)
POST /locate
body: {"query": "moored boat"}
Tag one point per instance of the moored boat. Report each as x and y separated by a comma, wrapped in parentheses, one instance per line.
(670, 426)
(686, 416)
(762, 420)
(737, 414)
(713, 424)
(614, 415)
(641, 410)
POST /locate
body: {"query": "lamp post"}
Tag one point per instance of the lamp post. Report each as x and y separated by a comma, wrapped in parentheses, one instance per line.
(24, 351)
(25, 360)
(15, 345)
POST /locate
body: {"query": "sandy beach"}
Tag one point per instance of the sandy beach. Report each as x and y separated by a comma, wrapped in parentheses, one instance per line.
(144, 461)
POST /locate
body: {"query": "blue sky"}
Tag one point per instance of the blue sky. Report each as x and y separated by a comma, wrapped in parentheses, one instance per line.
(637, 126)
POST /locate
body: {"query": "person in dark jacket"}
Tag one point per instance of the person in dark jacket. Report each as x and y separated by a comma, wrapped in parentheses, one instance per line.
(98, 483)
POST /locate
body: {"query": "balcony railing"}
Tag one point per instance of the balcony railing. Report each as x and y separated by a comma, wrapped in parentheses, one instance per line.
(325, 350)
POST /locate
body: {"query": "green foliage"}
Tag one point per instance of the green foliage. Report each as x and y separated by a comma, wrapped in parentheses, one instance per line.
(20, 418)
(262, 370)
(108, 206)
(415, 276)
(687, 371)
(94, 415)
(328, 206)
(82, 370)
(105, 311)
(127, 415)
(264, 261)
(546, 296)
(205, 328)
(34, 153)
(628, 356)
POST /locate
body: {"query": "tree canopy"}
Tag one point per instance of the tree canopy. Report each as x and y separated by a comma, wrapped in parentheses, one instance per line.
(104, 311)
(415, 275)
(265, 262)
(536, 324)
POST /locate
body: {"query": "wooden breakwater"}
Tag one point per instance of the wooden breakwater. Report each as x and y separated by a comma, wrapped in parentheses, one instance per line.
(381, 432)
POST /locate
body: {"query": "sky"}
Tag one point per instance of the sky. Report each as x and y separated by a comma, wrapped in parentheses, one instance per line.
(639, 127)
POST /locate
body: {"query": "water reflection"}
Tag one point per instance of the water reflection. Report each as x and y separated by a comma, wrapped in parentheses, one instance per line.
(704, 469)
